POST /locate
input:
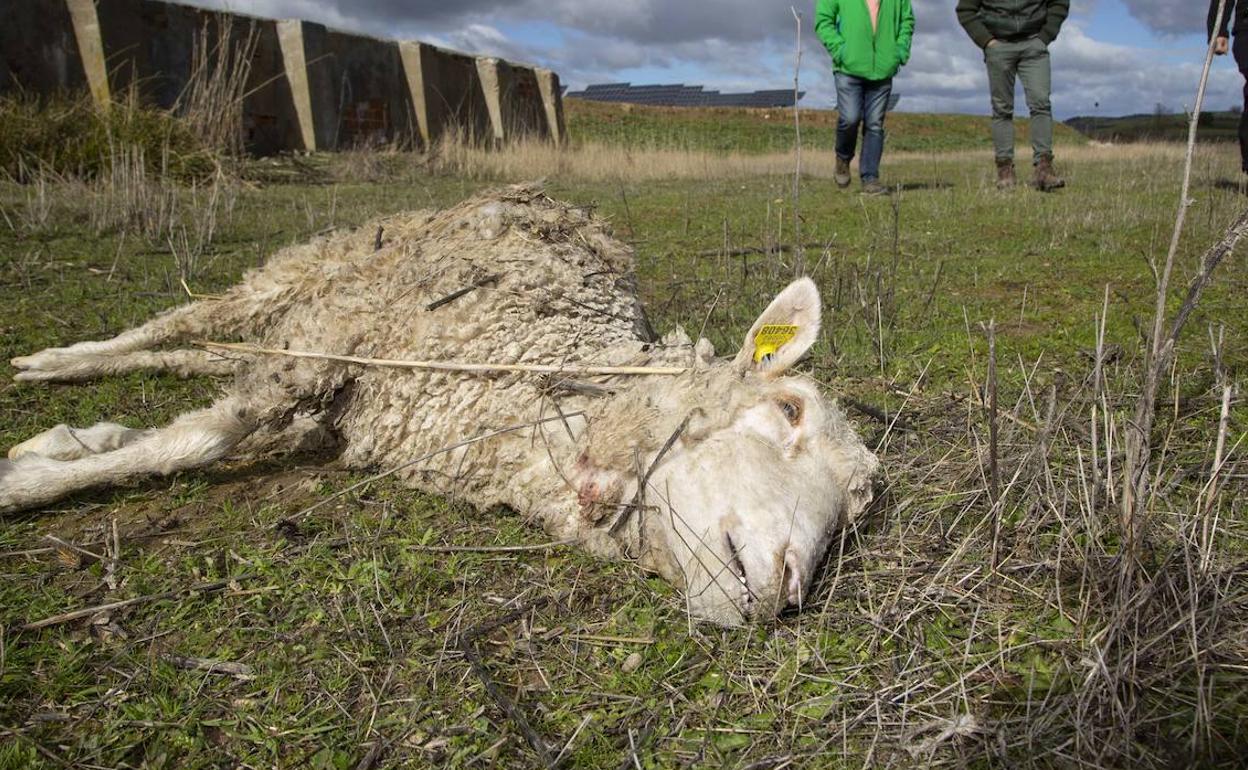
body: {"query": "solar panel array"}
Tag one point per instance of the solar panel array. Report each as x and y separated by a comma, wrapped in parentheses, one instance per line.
(681, 95)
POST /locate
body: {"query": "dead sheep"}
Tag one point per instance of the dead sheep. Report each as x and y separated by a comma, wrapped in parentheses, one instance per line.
(746, 471)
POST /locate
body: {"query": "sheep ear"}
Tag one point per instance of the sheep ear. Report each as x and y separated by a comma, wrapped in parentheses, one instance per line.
(785, 331)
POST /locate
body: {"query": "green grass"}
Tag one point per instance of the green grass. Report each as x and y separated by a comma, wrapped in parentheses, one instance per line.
(1214, 127)
(730, 129)
(70, 137)
(347, 625)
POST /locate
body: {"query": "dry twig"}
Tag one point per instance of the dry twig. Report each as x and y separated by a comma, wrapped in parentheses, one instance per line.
(572, 370)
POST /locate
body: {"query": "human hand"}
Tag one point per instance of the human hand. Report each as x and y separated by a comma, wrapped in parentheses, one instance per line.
(991, 43)
(1220, 45)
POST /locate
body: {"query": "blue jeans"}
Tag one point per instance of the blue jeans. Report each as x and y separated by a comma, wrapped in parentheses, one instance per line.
(859, 100)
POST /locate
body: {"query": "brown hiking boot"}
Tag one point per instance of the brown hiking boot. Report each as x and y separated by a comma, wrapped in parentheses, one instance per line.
(841, 175)
(1045, 178)
(874, 187)
(1005, 174)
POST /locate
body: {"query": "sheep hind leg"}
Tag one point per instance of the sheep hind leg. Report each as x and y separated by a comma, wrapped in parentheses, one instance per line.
(89, 366)
(233, 316)
(193, 440)
(65, 443)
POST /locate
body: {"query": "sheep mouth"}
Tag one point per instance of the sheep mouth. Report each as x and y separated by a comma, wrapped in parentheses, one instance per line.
(738, 569)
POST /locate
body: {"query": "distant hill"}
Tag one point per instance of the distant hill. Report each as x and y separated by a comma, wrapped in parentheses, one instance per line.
(757, 130)
(1214, 127)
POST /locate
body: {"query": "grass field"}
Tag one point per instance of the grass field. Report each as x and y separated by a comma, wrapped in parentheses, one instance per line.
(1214, 127)
(732, 129)
(336, 643)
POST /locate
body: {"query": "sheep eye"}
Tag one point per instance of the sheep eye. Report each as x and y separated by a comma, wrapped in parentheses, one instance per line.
(792, 410)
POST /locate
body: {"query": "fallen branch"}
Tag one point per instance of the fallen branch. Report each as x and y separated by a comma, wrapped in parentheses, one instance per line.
(894, 419)
(799, 264)
(370, 760)
(490, 548)
(639, 499)
(241, 670)
(446, 366)
(449, 298)
(1160, 347)
(467, 645)
(200, 588)
(48, 549)
(1139, 431)
(747, 250)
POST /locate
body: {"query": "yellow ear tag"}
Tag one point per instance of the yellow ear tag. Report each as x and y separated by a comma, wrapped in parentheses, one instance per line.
(771, 338)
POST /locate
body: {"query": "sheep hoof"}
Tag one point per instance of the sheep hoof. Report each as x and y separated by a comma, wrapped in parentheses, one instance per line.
(41, 360)
(45, 443)
(37, 375)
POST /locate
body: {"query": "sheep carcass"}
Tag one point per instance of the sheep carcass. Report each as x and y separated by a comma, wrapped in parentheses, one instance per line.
(747, 472)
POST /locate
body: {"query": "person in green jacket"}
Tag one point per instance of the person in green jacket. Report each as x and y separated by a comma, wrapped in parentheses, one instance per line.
(1015, 36)
(869, 41)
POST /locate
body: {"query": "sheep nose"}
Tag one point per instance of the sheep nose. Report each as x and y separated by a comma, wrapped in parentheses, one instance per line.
(791, 581)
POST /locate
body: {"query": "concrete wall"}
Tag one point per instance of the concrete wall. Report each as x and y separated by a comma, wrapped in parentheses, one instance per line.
(372, 99)
(520, 102)
(151, 47)
(351, 90)
(310, 88)
(148, 46)
(446, 92)
(270, 121)
(38, 51)
(552, 103)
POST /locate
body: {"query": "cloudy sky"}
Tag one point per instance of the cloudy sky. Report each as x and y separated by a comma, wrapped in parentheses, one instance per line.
(1113, 56)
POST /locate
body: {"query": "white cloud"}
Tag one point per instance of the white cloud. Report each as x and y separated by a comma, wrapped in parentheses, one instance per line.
(1173, 17)
(747, 44)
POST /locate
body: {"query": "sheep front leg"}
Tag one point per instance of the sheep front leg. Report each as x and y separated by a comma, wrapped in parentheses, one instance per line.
(155, 332)
(89, 366)
(241, 312)
(193, 440)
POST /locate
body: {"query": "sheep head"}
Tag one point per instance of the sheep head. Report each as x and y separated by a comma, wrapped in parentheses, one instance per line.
(748, 471)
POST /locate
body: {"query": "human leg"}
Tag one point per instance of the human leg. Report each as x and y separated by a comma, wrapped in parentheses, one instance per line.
(1240, 50)
(1001, 60)
(1034, 70)
(1243, 130)
(848, 114)
(875, 105)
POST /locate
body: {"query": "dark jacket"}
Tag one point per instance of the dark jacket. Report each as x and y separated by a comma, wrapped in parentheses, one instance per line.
(986, 20)
(1233, 9)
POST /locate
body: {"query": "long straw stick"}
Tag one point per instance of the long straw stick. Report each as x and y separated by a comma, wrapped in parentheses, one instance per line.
(448, 366)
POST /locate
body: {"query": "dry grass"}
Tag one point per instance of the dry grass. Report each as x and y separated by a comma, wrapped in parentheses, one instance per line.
(590, 162)
(1033, 649)
(955, 627)
(211, 105)
(129, 199)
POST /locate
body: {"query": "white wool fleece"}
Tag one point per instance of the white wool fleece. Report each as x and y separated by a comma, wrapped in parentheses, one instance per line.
(749, 471)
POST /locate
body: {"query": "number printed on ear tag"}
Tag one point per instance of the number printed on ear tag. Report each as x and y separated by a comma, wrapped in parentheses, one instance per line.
(771, 338)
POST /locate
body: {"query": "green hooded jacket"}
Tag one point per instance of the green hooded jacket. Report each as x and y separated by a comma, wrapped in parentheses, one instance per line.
(844, 27)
